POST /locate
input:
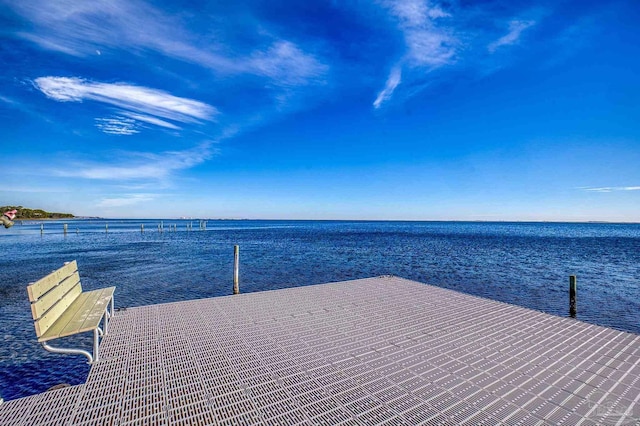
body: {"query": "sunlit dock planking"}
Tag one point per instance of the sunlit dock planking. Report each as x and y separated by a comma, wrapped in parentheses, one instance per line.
(375, 351)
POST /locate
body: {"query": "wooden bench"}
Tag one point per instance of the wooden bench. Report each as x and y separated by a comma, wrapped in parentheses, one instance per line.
(60, 308)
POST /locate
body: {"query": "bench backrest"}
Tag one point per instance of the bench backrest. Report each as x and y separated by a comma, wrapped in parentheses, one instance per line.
(52, 295)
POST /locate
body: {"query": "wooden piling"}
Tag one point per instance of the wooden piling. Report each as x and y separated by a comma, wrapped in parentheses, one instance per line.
(236, 270)
(573, 288)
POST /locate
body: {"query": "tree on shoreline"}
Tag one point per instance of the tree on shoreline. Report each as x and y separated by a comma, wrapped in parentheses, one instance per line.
(25, 213)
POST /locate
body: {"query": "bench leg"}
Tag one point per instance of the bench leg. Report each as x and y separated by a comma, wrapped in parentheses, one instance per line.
(108, 314)
(70, 351)
(96, 346)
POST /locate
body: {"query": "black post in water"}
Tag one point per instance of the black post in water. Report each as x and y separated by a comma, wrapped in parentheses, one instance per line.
(572, 296)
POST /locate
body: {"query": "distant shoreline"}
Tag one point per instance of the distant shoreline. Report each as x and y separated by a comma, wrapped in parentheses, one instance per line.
(48, 219)
(590, 222)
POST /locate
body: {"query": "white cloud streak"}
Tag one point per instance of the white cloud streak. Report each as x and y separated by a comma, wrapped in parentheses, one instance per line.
(148, 101)
(414, 13)
(126, 200)
(432, 49)
(7, 100)
(151, 120)
(140, 166)
(139, 104)
(54, 189)
(81, 28)
(429, 45)
(438, 35)
(84, 28)
(286, 63)
(117, 126)
(612, 188)
(516, 27)
(392, 82)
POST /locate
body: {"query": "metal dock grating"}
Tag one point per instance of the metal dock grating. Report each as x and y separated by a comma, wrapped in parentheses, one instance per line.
(379, 351)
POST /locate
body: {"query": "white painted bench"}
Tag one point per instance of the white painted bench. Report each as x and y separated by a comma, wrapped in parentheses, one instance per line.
(60, 308)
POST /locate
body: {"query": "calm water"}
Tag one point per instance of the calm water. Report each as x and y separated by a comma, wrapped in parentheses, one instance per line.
(527, 264)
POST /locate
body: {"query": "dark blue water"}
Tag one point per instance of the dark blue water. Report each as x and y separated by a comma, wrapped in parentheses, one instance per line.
(527, 264)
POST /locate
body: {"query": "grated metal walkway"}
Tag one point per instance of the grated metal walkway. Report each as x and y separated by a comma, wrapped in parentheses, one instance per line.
(379, 351)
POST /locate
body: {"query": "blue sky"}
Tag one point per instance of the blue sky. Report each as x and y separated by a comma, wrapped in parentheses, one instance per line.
(391, 109)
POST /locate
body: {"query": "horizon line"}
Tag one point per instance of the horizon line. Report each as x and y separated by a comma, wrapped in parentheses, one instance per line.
(335, 220)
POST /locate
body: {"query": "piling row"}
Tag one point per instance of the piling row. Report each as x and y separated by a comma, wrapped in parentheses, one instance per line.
(203, 226)
(161, 228)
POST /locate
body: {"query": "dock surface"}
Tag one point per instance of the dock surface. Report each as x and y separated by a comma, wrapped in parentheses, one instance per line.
(378, 351)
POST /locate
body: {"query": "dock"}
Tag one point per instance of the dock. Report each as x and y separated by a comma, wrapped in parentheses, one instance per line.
(377, 351)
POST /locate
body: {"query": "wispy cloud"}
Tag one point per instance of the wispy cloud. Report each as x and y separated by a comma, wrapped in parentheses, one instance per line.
(7, 100)
(53, 189)
(125, 200)
(428, 44)
(139, 103)
(117, 126)
(82, 29)
(135, 166)
(612, 188)
(516, 27)
(151, 120)
(86, 29)
(148, 101)
(414, 13)
(287, 64)
(429, 48)
(439, 35)
(392, 82)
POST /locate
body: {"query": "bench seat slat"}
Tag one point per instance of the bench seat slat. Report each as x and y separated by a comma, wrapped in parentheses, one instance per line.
(84, 314)
(83, 302)
(48, 300)
(93, 316)
(52, 316)
(45, 284)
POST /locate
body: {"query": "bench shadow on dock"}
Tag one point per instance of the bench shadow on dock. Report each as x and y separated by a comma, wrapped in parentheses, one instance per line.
(366, 352)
